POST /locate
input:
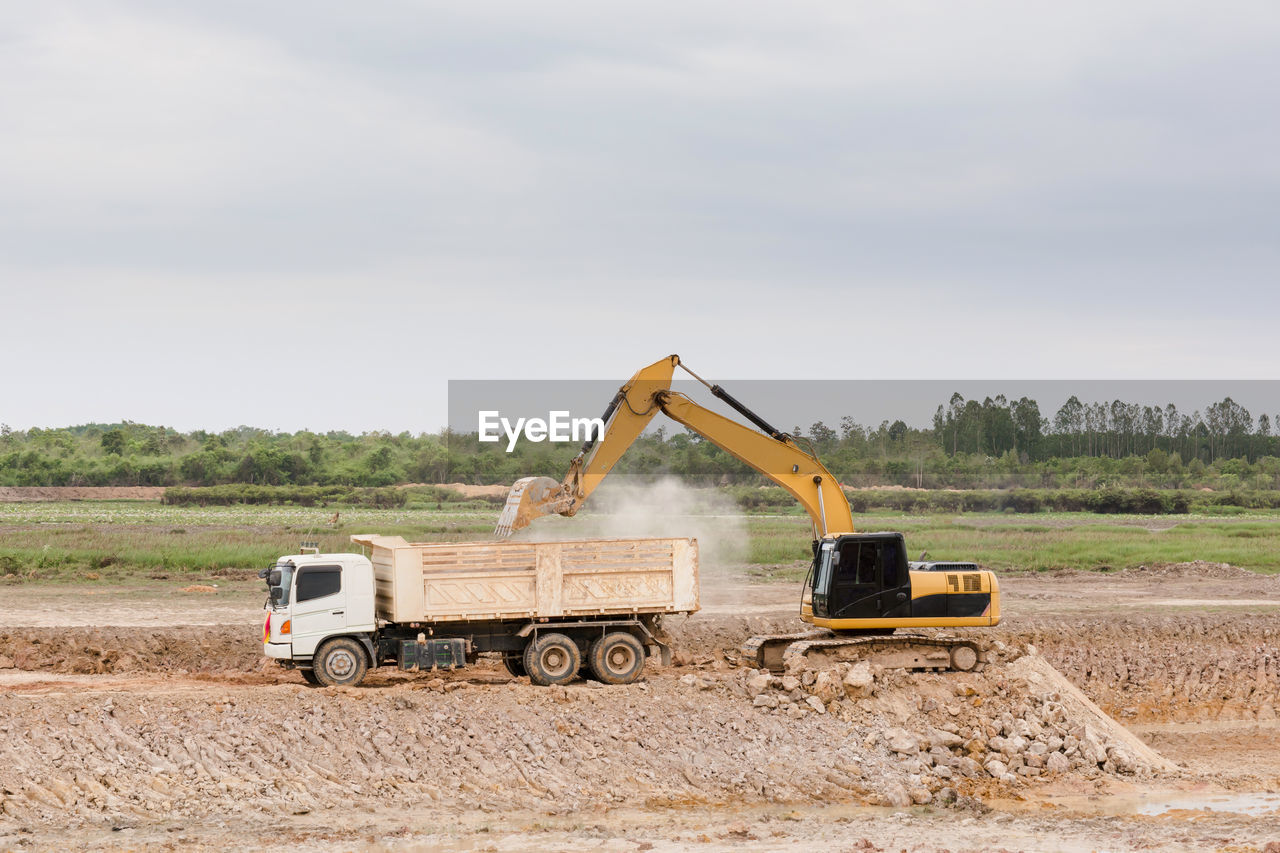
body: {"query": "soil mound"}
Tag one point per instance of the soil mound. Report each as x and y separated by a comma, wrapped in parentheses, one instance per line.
(130, 650)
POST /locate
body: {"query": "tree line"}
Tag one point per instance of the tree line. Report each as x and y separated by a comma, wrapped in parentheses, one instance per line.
(971, 444)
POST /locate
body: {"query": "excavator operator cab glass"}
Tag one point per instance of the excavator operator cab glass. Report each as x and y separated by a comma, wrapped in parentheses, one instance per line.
(824, 563)
(863, 577)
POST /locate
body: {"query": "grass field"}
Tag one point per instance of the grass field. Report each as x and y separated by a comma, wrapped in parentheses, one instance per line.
(122, 540)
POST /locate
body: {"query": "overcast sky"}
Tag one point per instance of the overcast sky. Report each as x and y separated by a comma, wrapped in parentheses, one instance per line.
(314, 214)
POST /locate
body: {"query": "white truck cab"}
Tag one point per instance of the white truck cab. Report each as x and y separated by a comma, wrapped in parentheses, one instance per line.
(313, 597)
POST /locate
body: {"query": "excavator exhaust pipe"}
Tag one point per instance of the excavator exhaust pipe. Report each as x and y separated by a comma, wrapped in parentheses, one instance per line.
(528, 499)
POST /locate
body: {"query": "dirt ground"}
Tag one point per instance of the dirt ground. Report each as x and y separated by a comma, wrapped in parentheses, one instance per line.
(14, 494)
(1132, 710)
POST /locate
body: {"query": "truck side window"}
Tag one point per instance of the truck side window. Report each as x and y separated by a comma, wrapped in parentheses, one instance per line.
(318, 581)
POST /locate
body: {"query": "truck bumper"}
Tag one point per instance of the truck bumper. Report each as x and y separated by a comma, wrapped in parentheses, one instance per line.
(278, 650)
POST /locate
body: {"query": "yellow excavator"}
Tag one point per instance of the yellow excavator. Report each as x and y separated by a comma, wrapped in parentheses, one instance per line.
(860, 588)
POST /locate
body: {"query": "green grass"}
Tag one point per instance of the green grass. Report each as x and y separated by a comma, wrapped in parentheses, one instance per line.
(121, 540)
(1074, 541)
(66, 541)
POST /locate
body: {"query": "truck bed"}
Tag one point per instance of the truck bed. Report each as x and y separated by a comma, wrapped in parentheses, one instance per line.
(469, 581)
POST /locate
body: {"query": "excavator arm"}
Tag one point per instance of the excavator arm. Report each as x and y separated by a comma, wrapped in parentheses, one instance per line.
(773, 453)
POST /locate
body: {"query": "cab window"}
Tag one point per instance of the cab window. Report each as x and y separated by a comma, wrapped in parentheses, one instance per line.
(889, 560)
(318, 581)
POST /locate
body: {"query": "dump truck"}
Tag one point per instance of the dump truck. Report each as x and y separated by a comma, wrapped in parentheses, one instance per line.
(550, 609)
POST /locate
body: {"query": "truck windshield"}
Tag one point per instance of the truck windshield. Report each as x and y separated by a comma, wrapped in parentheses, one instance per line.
(280, 577)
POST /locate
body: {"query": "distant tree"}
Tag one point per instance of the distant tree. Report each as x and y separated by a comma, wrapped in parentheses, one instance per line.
(113, 442)
(822, 435)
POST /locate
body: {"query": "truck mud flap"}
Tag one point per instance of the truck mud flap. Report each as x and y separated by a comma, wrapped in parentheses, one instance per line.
(433, 654)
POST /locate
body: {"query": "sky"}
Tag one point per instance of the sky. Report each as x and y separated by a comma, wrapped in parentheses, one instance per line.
(315, 215)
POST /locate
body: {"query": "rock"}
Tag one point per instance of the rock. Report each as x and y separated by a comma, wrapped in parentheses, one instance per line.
(1057, 763)
(943, 772)
(1038, 748)
(1034, 760)
(859, 682)
(975, 745)
(898, 797)
(901, 741)
(1015, 745)
(797, 665)
(790, 683)
(689, 680)
(6, 662)
(1054, 743)
(759, 683)
(1123, 760)
(946, 796)
(764, 700)
(996, 768)
(946, 740)
(920, 795)
(816, 704)
(827, 686)
(968, 767)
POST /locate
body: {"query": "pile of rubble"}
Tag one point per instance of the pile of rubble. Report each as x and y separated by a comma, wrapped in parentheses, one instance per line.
(1016, 722)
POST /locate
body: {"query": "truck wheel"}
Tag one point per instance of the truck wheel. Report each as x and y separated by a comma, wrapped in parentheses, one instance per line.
(514, 662)
(552, 659)
(309, 676)
(617, 658)
(340, 662)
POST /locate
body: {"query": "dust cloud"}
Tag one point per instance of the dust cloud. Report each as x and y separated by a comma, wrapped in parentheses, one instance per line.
(625, 507)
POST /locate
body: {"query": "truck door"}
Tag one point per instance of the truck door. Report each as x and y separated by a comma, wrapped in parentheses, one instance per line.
(319, 606)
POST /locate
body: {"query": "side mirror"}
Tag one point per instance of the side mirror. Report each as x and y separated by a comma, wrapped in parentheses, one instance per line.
(276, 594)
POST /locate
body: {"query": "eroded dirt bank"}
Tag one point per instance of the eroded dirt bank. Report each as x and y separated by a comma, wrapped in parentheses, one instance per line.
(1140, 668)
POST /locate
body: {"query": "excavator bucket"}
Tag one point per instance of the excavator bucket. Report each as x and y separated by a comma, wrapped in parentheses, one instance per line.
(526, 501)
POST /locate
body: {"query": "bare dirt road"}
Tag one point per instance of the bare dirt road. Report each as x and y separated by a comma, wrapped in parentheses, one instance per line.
(146, 718)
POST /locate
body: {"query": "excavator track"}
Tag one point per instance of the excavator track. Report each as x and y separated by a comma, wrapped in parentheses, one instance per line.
(822, 649)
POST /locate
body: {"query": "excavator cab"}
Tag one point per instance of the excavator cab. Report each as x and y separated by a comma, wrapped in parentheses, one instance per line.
(861, 576)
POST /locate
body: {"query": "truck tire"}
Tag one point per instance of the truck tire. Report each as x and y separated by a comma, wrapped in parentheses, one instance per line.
(309, 676)
(514, 662)
(340, 662)
(552, 659)
(617, 658)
